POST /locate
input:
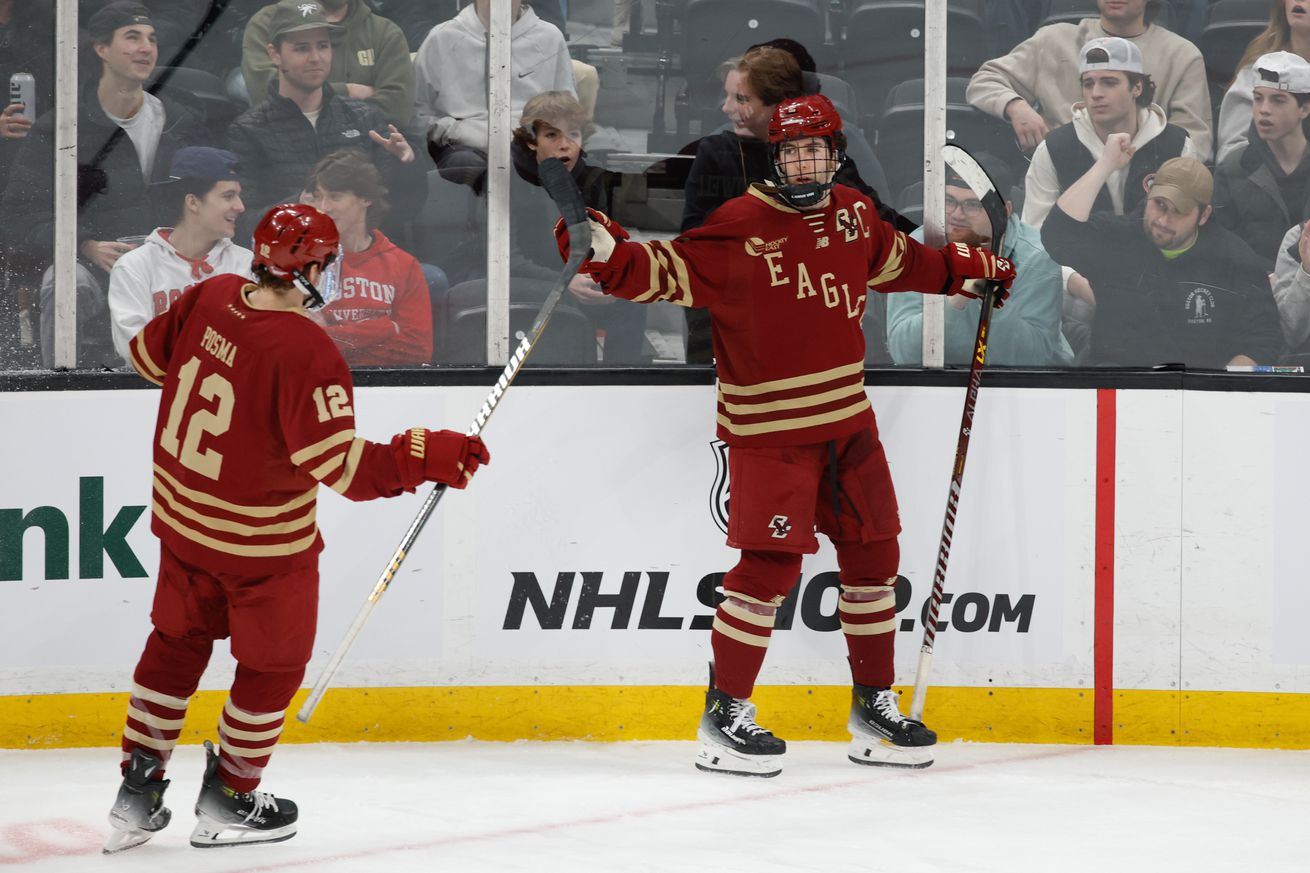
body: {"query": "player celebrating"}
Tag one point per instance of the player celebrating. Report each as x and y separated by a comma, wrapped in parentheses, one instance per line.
(784, 271)
(257, 410)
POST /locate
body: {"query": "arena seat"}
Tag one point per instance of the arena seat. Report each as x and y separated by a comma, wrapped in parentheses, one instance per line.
(883, 43)
(568, 341)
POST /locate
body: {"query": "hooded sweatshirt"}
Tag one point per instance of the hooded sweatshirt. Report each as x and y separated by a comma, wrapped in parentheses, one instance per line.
(146, 281)
(384, 314)
(1043, 70)
(450, 70)
(1042, 185)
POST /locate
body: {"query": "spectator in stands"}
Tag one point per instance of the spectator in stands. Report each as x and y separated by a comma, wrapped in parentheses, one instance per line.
(370, 57)
(450, 104)
(1292, 291)
(1117, 97)
(729, 161)
(553, 125)
(303, 119)
(126, 138)
(383, 314)
(1288, 30)
(1171, 286)
(1264, 186)
(205, 194)
(1026, 332)
(1030, 87)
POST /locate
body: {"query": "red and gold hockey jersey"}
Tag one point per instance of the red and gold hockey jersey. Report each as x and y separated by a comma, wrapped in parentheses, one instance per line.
(786, 290)
(257, 410)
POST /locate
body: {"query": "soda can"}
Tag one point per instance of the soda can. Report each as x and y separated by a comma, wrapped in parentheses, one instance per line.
(22, 89)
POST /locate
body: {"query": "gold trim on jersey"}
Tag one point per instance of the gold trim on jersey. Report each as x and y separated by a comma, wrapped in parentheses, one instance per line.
(235, 527)
(308, 452)
(761, 191)
(792, 402)
(669, 279)
(794, 381)
(894, 264)
(273, 550)
(143, 363)
(322, 471)
(240, 509)
(794, 423)
(350, 467)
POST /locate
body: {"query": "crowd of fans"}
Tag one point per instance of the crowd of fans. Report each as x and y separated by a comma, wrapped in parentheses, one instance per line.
(1156, 216)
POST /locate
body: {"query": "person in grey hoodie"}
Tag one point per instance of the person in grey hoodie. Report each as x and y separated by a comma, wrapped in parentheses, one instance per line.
(450, 100)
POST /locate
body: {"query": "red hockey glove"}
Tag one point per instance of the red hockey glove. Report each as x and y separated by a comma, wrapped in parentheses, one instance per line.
(966, 262)
(452, 458)
(605, 234)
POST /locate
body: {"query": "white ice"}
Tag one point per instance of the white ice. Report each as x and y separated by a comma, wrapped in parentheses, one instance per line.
(617, 807)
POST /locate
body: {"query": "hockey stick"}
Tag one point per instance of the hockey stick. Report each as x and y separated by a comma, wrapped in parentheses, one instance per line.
(559, 184)
(968, 169)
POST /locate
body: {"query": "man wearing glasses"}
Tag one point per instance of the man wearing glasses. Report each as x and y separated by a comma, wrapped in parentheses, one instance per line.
(1026, 332)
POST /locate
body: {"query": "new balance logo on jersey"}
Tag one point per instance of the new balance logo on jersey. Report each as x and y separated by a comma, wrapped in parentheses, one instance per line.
(780, 527)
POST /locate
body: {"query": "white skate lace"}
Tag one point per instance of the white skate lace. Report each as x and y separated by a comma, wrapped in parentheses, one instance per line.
(263, 800)
(743, 718)
(887, 705)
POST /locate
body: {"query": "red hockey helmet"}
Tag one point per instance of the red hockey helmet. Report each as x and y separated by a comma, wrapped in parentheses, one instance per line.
(294, 236)
(799, 118)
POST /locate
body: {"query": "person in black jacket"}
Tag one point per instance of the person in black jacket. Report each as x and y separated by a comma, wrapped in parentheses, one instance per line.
(1171, 286)
(1263, 187)
(126, 138)
(303, 120)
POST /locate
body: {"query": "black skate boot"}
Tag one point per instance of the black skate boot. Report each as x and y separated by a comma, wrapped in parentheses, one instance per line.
(731, 741)
(881, 736)
(139, 809)
(229, 818)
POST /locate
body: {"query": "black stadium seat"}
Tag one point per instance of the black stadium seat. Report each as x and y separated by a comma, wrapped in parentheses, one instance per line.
(899, 140)
(568, 341)
(716, 30)
(1232, 26)
(884, 44)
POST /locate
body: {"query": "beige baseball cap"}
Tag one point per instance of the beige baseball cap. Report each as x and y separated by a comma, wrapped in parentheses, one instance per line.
(1282, 70)
(1110, 53)
(1184, 182)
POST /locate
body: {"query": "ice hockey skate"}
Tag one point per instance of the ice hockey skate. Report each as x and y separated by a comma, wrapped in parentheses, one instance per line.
(230, 818)
(881, 736)
(139, 810)
(731, 741)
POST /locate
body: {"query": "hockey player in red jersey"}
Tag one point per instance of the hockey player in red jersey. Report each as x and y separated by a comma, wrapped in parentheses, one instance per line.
(784, 271)
(257, 410)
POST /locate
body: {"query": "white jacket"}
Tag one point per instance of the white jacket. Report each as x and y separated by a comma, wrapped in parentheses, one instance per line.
(1235, 113)
(1042, 185)
(450, 72)
(1292, 291)
(149, 279)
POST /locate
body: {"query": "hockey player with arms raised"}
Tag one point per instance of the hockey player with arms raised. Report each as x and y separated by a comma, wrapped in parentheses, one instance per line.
(784, 271)
(257, 410)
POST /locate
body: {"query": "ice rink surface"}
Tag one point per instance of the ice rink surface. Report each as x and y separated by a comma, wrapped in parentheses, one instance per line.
(617, 807)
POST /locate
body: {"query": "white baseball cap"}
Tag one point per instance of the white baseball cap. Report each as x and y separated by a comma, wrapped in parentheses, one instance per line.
(1110, 53)
(1282, 70)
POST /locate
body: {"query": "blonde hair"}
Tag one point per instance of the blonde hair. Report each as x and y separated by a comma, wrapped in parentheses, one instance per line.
(559, 109)
(1277, 36)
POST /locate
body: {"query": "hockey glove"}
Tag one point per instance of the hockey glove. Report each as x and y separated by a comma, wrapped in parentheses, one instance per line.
(966, 262)
(605, 234)
(452, 458)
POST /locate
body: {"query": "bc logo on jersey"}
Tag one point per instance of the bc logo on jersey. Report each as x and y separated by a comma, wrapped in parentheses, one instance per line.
(780, 527)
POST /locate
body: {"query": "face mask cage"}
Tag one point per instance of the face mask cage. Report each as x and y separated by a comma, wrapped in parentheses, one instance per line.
(790, 163)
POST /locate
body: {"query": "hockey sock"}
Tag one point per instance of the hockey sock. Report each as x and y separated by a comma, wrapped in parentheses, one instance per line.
(740, 639)
(868, 621)
(251, 724)
(164, 680)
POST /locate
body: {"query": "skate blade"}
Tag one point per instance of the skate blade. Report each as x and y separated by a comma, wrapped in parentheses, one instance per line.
(123, 836)
(883, 753)
(716, 759)
(209, 833)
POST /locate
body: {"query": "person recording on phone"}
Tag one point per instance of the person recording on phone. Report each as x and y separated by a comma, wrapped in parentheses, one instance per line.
(126, 140)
